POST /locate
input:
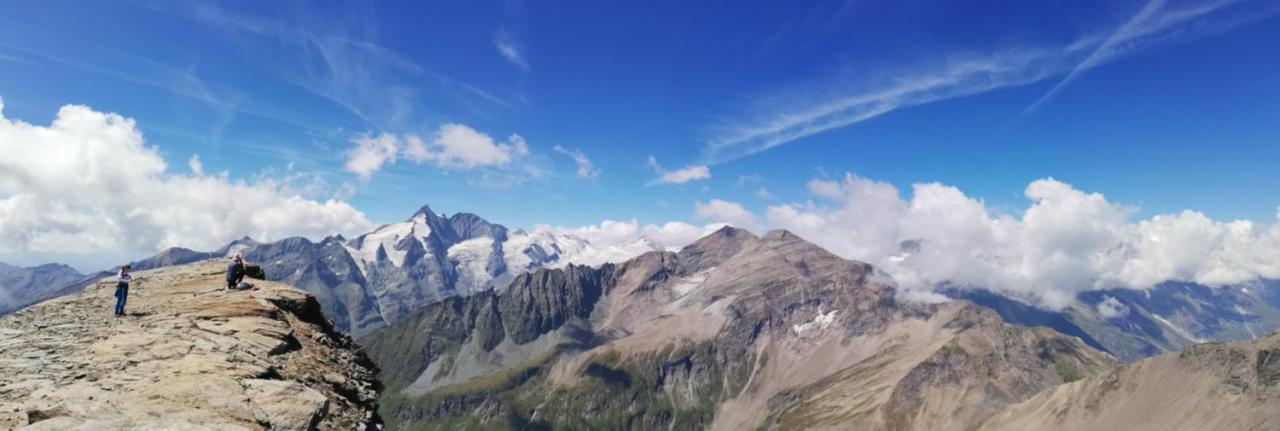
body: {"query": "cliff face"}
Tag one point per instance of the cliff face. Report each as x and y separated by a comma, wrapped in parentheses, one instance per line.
(187, 356)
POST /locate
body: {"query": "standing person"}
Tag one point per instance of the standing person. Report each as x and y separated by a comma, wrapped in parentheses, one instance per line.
(122, 289)
(235, 271)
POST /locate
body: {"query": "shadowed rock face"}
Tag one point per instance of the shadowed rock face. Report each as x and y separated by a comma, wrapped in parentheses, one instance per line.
(733, 332)
(188, 356)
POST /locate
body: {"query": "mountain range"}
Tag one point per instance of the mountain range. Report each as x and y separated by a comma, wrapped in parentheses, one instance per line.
(475, 326)
(378, 277)
(743, 332)
(20, 287)
(1135, 324)
(732, 332)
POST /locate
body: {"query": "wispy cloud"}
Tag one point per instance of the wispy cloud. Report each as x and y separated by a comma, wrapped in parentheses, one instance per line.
(510, 49)
(840, 100)
(678, 176)
(585, 168)
(324, 56)
(182, 82)
(5, 57)
(1101, 53)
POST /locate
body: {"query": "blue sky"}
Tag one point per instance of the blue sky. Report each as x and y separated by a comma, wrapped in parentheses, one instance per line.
(1160, 105)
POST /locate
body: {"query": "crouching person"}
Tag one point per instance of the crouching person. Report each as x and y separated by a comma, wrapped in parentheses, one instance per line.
(235, 272)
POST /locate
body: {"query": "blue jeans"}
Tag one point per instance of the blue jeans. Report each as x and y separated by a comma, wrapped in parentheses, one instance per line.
(122, 294)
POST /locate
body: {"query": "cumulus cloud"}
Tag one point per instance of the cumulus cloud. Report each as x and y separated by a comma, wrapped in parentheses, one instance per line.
(679, 176)
(1111, 308)
(1066, 241)
(454, 147)
(459, 146)
(369, 153)
(728, 212)
(585, 168)
(87, 183)
(194, 164)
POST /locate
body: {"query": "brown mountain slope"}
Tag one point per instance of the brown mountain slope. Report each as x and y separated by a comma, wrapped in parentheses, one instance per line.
(246, 360)
(1213, 386)
(733, 332)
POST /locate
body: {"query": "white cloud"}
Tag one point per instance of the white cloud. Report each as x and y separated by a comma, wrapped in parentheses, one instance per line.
(1067, 241)
(609, 233)
(1111, 308)
(87, 183)
(369, 153)
(510, 50)
(585, 168)
(723, 211)
(195, 165)
(856, 94)
(454, 147)
(679, 176)
(459, 146)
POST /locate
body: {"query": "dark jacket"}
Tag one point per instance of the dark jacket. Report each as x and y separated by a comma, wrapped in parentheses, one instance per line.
(235, 272)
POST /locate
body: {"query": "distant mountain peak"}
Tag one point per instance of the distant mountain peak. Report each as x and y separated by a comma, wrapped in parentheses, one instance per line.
(425, 211)
(781, 235)
(716, 247)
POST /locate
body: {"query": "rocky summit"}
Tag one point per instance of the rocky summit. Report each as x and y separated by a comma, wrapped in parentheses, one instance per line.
(188, 355)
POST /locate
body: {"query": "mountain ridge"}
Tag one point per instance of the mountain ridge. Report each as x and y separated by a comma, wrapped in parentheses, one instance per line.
(1220, 386)
(723, 334)
(377, 277)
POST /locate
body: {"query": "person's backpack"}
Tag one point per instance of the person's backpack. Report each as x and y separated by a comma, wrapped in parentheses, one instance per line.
(244, 286)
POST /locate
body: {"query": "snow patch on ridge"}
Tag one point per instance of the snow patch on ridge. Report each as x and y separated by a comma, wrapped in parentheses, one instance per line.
(691, 283)
(1178, 329)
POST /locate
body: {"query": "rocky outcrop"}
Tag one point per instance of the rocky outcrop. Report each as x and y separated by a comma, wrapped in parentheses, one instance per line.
(733, 332)
(189, 355)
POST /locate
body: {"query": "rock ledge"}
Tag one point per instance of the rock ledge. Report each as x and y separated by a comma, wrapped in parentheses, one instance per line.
(187, 356)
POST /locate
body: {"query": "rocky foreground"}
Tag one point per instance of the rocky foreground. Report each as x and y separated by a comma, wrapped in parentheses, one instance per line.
(187, 356)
